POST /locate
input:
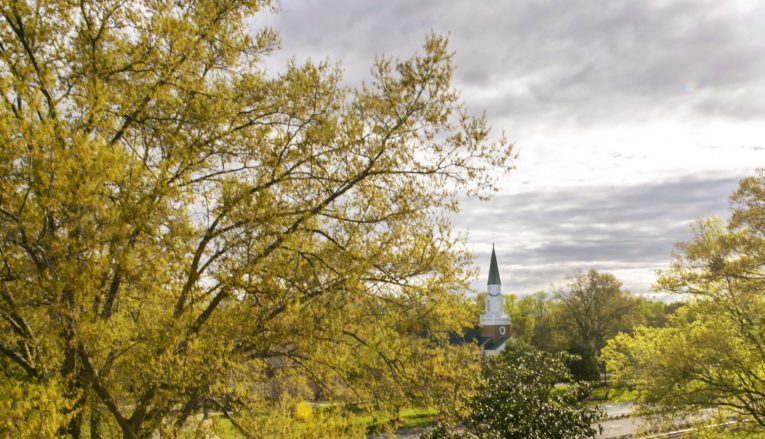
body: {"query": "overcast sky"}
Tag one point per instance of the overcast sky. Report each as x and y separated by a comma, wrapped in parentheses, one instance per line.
(631, 118)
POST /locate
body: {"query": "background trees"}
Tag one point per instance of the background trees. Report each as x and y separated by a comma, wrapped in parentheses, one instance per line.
(711, 354)
(181, 232)
(580, 316)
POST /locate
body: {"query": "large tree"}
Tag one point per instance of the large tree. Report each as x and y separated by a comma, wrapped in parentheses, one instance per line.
(712, 352)
(183, 232)
(594, 308)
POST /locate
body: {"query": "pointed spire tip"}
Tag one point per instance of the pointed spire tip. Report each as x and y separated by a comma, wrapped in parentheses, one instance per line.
(494, 269)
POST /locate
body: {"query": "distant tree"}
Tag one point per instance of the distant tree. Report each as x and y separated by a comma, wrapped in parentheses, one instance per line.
(511, 301)
(182, 232)
(654, 313)
(547, 327)
(480, 303)
(539, 304)
(712, 352)
(594, 308)
(522, 319)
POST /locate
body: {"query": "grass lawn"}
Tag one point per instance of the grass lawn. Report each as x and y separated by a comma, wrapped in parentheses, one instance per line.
(416, 417)
(602, 394)
(412, 417)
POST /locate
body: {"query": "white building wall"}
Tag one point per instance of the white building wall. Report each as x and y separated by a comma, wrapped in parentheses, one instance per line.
(495, 308)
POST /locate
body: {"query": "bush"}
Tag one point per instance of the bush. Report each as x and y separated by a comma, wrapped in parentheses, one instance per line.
(442, 431)
(584, 362)
(519, 398)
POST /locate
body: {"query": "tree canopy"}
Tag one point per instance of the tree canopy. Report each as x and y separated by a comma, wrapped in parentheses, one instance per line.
(183, 232)
(712, 352)
(595, 307)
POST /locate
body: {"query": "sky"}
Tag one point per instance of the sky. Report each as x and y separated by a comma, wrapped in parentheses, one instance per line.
(631, 119)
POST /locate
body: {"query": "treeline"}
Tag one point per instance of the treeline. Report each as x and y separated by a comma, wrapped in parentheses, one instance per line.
(581, 316)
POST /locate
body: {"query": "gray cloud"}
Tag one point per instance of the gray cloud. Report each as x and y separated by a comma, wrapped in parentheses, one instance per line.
(577, 60)
(544, 236)
(546, 68)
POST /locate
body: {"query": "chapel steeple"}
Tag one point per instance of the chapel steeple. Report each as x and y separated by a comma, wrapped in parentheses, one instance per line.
(494, 323)
(493, 269)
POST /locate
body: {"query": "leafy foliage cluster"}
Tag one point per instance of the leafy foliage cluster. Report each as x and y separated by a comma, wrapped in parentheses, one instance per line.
(182, 232)
(520, 396)
(712, 352)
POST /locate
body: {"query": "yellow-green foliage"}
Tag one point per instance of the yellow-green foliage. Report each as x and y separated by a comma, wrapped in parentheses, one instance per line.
(712, 352)
(30, 409)
(733, 435)
(182, 232)
(283, 420)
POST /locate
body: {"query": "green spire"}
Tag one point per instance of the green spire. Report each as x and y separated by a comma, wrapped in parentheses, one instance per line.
(493, 270)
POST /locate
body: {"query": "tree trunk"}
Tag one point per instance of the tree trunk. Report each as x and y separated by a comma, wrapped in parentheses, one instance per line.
(95, 420)
(72, 370)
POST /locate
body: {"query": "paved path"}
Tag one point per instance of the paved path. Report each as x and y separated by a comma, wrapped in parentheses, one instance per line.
(623, 425)
(619, 427)
(628, 425)
(611, 428)
(617, 409)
